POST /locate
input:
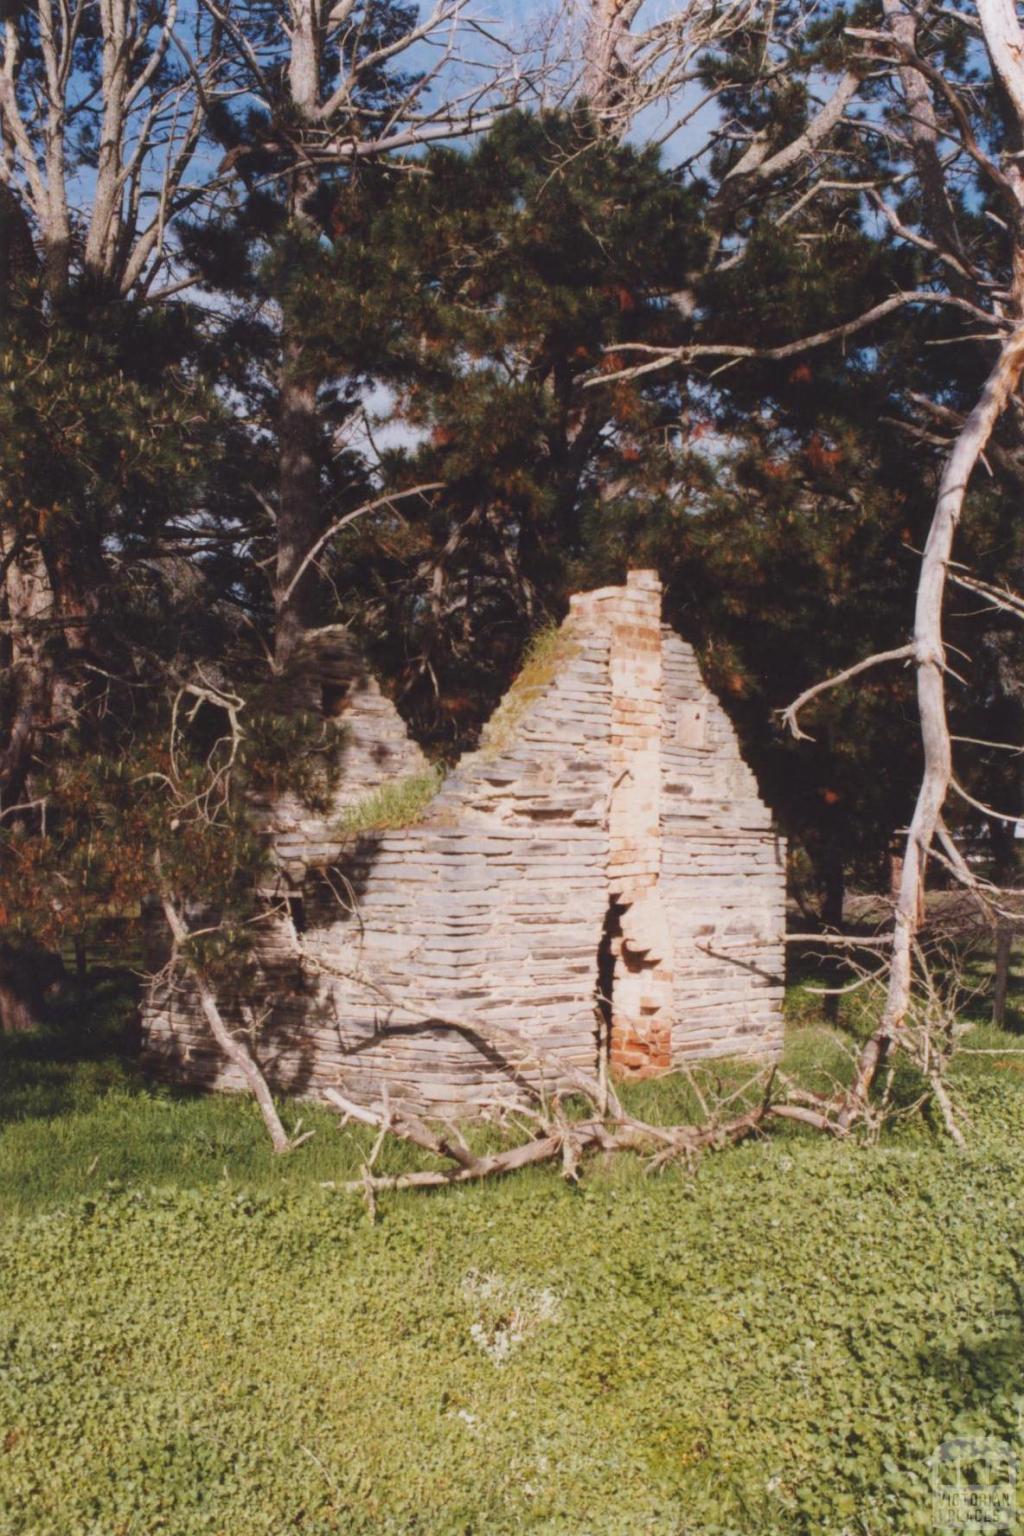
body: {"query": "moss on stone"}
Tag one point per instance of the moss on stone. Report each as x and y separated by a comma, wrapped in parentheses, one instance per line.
(545, 654)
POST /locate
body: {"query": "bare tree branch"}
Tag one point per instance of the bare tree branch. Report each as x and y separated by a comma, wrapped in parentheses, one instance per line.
(791, 712)
(233, 1048)
(666, 357)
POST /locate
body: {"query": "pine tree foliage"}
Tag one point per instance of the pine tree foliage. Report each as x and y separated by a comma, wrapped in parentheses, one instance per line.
(479, 296)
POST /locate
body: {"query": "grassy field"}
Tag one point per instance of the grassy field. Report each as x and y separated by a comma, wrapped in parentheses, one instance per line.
(196, 1338)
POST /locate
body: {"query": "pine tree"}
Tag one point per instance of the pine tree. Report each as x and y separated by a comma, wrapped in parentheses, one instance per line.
(482, 296)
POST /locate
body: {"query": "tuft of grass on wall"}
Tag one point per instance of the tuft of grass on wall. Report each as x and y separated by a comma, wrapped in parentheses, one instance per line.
(546, 652)
(398, 803)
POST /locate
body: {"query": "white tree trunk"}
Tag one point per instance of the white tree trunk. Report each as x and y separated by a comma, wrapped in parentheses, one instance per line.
(930, 660)
(1005, 43)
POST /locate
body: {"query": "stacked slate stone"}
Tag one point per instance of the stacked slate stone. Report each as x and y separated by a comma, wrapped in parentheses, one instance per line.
(723, 877)
(620, 791)
(375, 746)
(491, 907)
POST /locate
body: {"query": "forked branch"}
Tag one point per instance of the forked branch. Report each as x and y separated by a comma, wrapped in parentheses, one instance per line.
(232, 1046)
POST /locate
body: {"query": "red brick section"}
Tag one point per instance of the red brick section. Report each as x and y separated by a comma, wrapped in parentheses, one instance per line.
(641, 1042)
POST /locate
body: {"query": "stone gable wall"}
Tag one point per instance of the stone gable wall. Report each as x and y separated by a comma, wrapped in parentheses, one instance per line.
(616, 839)
(723, 876)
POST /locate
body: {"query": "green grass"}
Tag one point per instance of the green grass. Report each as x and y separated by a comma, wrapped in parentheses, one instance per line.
(197, 1338)
(397, 803)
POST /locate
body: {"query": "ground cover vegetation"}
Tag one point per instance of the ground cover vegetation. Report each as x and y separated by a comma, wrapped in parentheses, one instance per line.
(198, 1336)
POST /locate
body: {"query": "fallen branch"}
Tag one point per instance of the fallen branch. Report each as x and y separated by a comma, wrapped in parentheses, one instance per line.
(848, 940)
(557, 1136)
(615, 1134)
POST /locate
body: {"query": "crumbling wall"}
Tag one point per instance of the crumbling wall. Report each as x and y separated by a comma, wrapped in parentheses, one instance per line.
(490, 907)
(375, 747)
(614, 840)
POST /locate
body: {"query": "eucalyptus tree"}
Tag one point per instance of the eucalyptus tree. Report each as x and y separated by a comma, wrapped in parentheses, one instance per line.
(103, 105)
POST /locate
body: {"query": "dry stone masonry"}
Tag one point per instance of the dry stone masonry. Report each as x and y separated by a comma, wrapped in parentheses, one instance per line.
(601, 869)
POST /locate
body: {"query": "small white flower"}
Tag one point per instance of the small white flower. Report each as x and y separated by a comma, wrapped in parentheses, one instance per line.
(520, 1311)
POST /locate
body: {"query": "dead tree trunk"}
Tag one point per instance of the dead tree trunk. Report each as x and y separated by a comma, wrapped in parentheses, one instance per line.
(930, 660)
(606, 71)
(1005, 44)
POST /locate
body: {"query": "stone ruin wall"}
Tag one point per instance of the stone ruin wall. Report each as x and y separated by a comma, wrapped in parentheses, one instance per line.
(617, 841)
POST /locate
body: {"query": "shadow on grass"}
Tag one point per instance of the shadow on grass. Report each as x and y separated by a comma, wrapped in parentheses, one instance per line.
(88, 1046)
(981, 1370)
(78, 1114)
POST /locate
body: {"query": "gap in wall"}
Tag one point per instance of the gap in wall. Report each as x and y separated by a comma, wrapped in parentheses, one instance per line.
(607, 951)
